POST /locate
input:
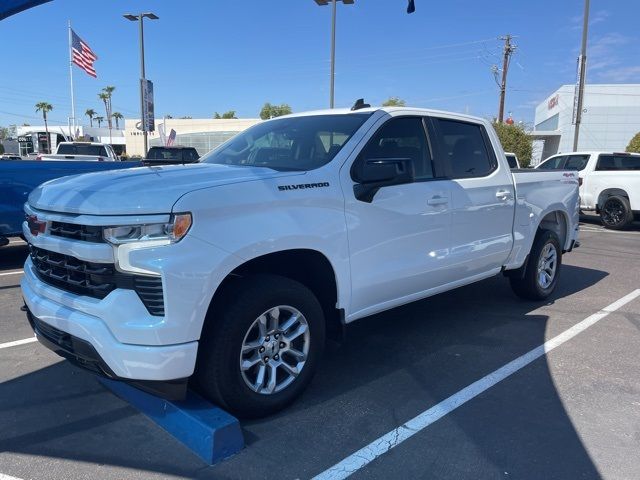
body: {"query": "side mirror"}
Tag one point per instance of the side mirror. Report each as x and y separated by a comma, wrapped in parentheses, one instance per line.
(376, 173)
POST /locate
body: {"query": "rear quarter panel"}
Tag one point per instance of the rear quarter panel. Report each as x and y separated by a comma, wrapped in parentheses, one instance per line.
(538, 193)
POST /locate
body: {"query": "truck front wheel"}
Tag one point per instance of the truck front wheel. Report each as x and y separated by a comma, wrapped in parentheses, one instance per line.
(542, 268)
(261, 351)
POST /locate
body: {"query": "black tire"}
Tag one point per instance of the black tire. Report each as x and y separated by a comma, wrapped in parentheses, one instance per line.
(218, 374)
(529, 286)
(616, 212)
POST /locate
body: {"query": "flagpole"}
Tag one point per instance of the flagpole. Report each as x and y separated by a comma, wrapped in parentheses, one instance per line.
(73, 104)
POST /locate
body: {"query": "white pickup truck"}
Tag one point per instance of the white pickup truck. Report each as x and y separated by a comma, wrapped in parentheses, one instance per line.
(82, 152)
(609, 183)
(231, 272)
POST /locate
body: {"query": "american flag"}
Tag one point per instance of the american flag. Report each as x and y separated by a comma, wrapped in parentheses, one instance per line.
(82, 55)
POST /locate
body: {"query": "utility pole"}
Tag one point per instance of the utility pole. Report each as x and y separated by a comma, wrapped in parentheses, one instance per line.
(509, 48)
(578, 96)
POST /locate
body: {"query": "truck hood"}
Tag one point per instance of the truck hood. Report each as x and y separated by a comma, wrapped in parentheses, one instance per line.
(143, 190)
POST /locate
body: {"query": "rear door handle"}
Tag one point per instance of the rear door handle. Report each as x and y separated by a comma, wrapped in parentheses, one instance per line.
(438, 200)
(503, 194)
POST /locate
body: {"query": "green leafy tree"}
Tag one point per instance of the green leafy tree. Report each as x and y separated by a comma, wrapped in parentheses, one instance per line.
(394, 102)
(272, 111)
(226, 115)
(99, 120)
(90, 113)
(4, 133)
(515, 139)
(634, 144)
(118, 116)
(45, 108)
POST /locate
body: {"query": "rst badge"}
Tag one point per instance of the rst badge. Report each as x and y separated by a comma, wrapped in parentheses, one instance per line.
(35, 226)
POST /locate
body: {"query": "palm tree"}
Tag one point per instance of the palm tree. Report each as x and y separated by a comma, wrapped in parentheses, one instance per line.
(45, 107)
(117, 116)
(90, 113)
(99, 120)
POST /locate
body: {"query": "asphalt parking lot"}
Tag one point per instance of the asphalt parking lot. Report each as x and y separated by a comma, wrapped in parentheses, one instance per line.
(572, 413)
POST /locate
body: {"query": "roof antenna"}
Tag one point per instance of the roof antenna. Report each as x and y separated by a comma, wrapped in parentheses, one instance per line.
(411, 7)
(359, 104)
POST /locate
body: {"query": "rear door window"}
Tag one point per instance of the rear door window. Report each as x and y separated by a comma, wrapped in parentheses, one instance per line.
(465, 147)
(554, 163)
(618, 162)
(576, 162)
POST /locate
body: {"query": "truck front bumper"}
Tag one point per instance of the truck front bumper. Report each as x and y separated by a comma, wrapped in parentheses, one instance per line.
(88, 342)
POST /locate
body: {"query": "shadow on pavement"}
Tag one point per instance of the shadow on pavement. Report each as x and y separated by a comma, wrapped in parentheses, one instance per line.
(392, 367)
(13, 256)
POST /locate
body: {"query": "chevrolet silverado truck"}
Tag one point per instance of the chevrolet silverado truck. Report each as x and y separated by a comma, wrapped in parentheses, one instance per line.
(609, 184)
(231, 273)
(82, 152)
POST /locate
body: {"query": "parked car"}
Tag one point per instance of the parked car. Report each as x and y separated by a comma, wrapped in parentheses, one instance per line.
(232, 272)
(18, 179)
(512, 159)
(609, 183)
(10, 156)
(82, 151)
(171, 155)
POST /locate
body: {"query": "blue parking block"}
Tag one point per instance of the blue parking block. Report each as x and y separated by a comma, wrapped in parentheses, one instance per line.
(210, 432)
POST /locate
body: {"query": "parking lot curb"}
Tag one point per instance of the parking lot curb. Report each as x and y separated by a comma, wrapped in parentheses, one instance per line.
(208, 431)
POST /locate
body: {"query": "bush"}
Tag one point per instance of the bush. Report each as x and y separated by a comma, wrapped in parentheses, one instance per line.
(515, 139)
(634, 144)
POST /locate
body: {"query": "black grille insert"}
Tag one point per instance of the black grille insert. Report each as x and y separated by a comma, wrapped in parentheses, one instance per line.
(86, 233)
(95, 280)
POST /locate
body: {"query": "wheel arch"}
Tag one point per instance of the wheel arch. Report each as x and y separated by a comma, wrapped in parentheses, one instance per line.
(610, 192)
(558, 222)
(309, 267)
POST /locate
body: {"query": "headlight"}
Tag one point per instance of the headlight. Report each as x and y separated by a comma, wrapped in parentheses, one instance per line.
(171, 232)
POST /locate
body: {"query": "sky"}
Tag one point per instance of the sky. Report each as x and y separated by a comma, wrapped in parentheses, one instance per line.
(218, 55)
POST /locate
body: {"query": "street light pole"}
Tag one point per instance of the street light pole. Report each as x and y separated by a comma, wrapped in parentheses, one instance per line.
(332, 78)
(333, 53)
(582, 71)
(140, 18)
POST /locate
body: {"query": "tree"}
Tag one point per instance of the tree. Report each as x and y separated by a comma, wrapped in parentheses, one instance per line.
(90, 113)
(226, 115)
(45, 107)
(118, 116)
(634, 144)
(394, 102)
(515, 139)
(4, 133)
(99, 120)
(105, 96)
(272, 111)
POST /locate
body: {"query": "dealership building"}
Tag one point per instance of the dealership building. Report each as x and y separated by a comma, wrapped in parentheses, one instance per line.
(203, 134)
(610, 118)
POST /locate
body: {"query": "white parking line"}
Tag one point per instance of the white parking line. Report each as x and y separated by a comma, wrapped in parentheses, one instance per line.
(16, 272)
(604, 230)
(8, 477)
(395, 437)
(15, 344)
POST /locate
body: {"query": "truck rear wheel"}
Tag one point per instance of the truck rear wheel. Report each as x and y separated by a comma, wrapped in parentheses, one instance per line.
(262, 349)
(616, 212)
(542, 269)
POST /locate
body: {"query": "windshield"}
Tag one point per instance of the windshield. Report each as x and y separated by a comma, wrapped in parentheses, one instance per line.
(73, 149)
(296, 143)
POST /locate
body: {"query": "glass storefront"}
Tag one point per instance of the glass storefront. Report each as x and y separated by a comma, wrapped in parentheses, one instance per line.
(203, 142)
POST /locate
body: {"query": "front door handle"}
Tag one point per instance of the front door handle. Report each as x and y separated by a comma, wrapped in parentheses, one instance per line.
(503, 194)
(438, 200)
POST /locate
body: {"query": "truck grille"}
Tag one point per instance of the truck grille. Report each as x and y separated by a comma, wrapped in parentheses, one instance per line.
(95, 280)
(86, 233)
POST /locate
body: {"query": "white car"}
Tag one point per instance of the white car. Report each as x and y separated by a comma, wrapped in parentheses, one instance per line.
(609, 183)
(82, 152)
(235, 269)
